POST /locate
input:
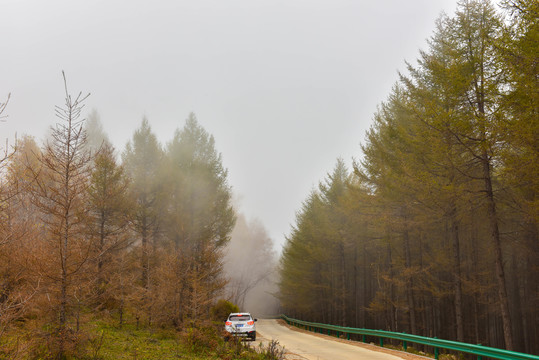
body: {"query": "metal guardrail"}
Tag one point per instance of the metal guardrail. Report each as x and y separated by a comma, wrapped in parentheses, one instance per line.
(479, 350)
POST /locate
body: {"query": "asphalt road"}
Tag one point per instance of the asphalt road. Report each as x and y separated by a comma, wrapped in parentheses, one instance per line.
(302, 346)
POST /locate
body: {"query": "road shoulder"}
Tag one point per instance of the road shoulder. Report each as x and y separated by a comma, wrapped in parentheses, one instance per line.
(368, 346)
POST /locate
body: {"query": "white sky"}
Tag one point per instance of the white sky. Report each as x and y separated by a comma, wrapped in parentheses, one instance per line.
(285, 86)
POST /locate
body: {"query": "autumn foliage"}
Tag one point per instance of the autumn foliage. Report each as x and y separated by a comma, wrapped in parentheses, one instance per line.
(434, 231)
(80, 232)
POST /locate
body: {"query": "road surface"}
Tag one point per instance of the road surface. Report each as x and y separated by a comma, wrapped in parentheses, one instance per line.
(304, 346)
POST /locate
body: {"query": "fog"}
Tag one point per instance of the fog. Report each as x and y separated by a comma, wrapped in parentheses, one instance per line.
(285, 87)
(250, 264)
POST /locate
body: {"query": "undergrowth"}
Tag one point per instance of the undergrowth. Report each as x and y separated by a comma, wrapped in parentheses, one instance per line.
(101, 338)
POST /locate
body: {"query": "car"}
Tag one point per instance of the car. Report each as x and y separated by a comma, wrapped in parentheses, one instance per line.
(241, 325)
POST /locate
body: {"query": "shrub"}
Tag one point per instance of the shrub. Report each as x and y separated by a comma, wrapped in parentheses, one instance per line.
(273, 351)
(202, 339)
(222, 309)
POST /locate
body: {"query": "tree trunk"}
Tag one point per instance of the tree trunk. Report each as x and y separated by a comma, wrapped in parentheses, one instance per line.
(457, 280)
(144, 258)
(365, 292)
(100, 275)
(343, 284)
(409, 282)
(495, 237)
(63, 284)
(356, 290)
(392, 318)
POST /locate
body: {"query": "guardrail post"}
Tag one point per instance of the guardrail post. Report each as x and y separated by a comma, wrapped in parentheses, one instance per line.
(338, 334)
(404, 344)
(363, 338)
(347, 336)
(382, 342)
(436, 351)
(479, 357)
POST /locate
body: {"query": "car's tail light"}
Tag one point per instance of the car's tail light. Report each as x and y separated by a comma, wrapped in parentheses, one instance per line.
(228, 323)
(250, 322)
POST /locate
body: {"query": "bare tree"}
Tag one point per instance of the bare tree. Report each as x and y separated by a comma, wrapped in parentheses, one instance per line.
(249, 265)
(5, 153)
(3, 107)
(59, 196)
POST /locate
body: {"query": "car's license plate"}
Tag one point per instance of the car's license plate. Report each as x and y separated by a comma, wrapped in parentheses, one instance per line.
(239, 325)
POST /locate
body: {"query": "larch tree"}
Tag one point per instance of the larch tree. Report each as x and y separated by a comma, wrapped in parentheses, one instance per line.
(96, 135)
(18, 231)
(60, 196)
(5, 152)
(304, 284)
(204, 194)
(142, 161)
(108, 216)
(476, 124)
(200, 216)
(440, 215)
(519, 52)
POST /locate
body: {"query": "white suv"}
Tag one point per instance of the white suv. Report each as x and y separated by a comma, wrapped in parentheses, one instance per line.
(241, 324)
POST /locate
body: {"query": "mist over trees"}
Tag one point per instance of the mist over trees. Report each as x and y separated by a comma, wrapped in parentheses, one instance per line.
(250, 264)
(141, 239)
(434, 231)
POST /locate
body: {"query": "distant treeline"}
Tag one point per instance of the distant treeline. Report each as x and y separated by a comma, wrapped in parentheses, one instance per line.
(435, 230)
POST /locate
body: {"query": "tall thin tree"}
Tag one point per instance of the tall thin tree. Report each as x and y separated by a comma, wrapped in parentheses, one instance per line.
(60, 195)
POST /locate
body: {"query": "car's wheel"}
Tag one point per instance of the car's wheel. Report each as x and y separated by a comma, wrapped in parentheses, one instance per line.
(253, 337)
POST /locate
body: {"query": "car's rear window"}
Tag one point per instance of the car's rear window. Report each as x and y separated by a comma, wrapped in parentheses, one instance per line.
(239, 317)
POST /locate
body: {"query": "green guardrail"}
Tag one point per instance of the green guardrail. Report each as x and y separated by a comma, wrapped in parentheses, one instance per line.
(437, 344)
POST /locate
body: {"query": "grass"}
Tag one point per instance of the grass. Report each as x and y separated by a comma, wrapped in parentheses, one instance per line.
(100, 338)
(106, 341)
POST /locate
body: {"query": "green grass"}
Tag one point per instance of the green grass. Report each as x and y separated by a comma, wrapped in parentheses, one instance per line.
(100, 338)
(111, 342)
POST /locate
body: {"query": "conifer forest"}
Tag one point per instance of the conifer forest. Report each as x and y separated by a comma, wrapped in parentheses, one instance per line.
(432, 229)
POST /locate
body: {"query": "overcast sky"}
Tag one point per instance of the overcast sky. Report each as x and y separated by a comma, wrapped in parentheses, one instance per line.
(285, 86)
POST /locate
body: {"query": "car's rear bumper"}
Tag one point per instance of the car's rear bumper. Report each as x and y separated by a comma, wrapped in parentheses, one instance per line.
(243, 333)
